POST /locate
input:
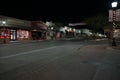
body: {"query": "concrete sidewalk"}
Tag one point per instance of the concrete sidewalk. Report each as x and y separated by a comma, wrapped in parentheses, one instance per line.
(106, 58)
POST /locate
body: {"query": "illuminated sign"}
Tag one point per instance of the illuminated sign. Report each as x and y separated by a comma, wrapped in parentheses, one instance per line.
(76, 24)
(114, 15)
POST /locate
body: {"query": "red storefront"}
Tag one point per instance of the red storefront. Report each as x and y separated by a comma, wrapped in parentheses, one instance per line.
(4, 35)
(14, 29)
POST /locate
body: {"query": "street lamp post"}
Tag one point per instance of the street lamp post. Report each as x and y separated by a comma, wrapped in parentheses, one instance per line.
(114, 5)
(4, 31)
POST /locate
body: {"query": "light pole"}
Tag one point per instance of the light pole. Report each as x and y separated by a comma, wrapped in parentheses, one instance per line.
(4, 31)
(114, 6)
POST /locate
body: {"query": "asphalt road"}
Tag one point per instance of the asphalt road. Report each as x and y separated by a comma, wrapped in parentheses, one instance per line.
(54, 60)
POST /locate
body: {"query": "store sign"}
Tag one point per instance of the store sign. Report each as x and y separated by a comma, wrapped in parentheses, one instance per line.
(76, 24)
(110, 16)
(114, 15)
(118, 15)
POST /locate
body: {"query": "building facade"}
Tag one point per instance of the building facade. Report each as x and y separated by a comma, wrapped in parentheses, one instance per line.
(12, 29)
(39, 30)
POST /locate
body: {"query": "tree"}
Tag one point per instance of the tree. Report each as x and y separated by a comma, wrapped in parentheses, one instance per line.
(97, 22)
(56, 26)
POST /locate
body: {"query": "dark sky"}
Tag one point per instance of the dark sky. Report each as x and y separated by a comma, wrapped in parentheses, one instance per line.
(57, 10)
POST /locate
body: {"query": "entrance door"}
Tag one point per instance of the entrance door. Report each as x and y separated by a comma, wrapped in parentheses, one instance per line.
(12, 35)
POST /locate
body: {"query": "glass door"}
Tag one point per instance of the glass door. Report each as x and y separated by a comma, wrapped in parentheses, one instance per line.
(12, 35)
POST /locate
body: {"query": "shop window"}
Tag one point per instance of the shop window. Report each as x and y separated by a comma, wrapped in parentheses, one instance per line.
(22, 34)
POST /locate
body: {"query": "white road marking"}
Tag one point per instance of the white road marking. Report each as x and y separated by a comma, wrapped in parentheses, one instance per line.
(29, 52)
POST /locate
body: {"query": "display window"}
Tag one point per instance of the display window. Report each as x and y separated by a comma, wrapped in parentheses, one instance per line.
(4, 33)
(22, 34)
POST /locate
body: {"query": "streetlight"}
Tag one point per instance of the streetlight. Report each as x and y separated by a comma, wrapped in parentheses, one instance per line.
(51, 28)
(114, 5)
(4, 31)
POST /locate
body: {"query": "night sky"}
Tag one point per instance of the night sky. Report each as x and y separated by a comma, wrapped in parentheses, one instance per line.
(57, 10)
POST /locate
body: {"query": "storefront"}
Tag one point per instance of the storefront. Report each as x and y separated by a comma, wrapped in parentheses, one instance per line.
(39, 30)
(14, 29)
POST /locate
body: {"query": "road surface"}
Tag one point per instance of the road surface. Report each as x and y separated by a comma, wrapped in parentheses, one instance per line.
(59, 60)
